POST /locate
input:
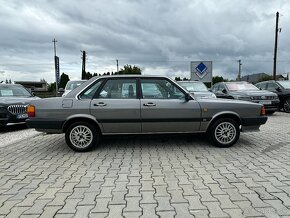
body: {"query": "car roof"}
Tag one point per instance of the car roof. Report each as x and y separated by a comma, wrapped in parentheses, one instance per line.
(8, 84)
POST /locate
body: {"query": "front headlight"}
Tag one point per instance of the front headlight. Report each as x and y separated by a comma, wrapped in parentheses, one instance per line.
(244, 98)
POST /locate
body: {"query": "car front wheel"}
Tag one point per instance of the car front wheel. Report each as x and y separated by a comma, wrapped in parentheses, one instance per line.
(224, 132)
(81, 136)
(286, 105)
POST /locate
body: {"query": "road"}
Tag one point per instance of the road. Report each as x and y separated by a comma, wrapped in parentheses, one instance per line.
(149, 176)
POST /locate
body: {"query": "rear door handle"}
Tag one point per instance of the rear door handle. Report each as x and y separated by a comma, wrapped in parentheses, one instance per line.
(149, 104)
(100, 104)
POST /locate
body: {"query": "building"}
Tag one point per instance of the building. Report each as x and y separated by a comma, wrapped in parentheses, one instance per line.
(34, 86)
(254, 78)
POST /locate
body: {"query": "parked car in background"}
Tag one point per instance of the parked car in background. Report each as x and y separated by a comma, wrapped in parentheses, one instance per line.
(139, 104)
(197, 88)
(13, 103)
(71, 85)
(281, 88)
(247, 92)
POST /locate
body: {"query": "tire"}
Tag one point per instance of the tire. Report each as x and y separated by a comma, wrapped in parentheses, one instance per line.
(224, 133)
(81, 136)
(286, 105)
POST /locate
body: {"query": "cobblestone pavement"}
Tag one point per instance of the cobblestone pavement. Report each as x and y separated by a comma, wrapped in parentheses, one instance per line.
(149, 176)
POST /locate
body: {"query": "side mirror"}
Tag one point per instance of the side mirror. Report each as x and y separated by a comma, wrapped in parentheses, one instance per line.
(278, 89)
(224, 91)
(187, 97)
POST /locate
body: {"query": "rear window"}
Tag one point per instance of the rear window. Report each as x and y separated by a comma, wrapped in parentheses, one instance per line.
(241, 86)
(14, 91)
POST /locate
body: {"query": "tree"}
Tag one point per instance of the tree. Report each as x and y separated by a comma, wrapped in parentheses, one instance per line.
(64, 78)
(265, 78)
(217, 79)
(128, 69)
(177, 78)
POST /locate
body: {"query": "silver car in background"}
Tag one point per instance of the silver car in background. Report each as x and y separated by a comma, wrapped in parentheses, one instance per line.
(71, 85)
(197, 88)
(139, 104)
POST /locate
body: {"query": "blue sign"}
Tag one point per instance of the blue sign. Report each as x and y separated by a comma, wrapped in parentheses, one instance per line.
(201, 70)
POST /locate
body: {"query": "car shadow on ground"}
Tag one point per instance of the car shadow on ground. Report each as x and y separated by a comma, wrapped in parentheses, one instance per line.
(13, 127)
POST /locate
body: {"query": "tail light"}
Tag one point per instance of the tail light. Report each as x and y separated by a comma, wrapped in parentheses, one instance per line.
(263, 111)
(31, 111)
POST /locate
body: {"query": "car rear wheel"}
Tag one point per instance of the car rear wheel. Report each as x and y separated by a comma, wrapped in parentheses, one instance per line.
(286, 105)
(224, 132)
(81, 136)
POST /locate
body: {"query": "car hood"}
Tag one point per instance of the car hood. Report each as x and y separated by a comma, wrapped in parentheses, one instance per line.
(254, 93)
(202, 94)
(16, 100)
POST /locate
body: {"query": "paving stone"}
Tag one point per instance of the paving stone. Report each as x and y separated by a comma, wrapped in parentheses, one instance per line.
(279, 207)
(16, 212)
(163, 204)
(182, 210)
(148, 197)
(7, 206)
(70, 205)
(102, 205)
(248, 210)
(115, 210)
(37, 207)
(132, 204)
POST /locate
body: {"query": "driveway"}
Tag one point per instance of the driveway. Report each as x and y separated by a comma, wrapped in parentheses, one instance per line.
(149, 176)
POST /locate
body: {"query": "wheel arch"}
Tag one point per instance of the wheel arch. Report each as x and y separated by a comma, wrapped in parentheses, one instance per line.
(84, 118)
(224, 115)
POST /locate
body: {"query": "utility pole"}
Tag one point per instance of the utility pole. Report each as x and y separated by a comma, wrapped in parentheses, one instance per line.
(275, 46)
(117, 66)
(239, 73)
(56, 66)
(84, 65)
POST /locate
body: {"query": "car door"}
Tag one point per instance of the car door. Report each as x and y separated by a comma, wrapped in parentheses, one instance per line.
(164, 108)
(116, 106)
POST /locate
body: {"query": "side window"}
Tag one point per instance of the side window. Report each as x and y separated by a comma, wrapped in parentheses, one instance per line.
(262, 86)
(89, 93)
(221, 87)
(119, 89)
(215, 88)
(272, 86)
(160, 89)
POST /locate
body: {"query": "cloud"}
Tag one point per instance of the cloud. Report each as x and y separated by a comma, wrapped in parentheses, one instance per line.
(158, 36)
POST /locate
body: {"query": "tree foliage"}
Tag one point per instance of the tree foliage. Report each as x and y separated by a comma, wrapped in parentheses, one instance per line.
(217, 79)
(128, 69)
(64, 78)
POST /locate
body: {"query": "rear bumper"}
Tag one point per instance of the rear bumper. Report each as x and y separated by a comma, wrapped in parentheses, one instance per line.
(252, 123)
(45, 125)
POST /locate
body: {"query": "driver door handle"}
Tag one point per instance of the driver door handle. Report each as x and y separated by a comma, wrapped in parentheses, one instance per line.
(149, 104)
(100, 104)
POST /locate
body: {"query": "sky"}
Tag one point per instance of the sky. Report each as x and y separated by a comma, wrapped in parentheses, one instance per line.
(160, 37)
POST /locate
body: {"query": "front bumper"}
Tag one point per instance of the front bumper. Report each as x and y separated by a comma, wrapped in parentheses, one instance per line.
(273, 106)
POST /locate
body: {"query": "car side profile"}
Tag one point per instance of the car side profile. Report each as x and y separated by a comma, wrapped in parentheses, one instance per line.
(247, 92)
(281, 88)
(139, 104)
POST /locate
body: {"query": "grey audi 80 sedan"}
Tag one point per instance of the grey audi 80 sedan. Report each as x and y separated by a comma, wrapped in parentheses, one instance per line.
(138, 104)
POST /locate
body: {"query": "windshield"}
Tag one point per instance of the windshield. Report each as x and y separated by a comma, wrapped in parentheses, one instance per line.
(73, 84)
(285, 84)
(14, 91)
(241, 87)
(194, 86)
